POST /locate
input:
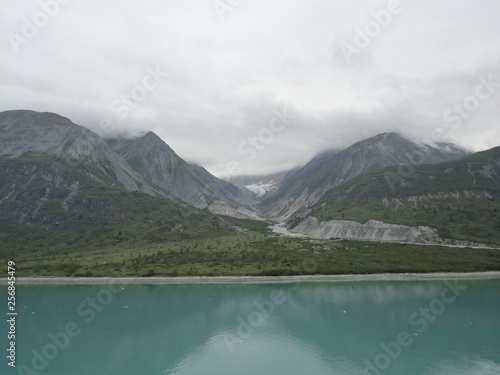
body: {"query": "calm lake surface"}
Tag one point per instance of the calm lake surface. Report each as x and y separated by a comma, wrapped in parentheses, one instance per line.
(363, 327)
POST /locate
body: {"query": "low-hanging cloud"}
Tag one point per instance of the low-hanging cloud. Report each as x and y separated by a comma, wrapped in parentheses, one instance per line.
(219, 81)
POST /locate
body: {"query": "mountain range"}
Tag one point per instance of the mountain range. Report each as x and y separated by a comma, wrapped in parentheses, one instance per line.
(307, 185)
(56, 175)
(145, 164)
(458, 199)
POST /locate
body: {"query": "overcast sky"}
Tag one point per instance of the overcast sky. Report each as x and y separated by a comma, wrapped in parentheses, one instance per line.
(258, 86)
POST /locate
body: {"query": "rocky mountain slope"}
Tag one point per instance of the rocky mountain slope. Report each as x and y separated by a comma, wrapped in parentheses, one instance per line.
(307, 186)
(459, 199)
(49, 206)
(160, 166)
(29, 133)
(148, 165)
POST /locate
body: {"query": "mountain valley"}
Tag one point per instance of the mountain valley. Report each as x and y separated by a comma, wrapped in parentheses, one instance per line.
(66, 190)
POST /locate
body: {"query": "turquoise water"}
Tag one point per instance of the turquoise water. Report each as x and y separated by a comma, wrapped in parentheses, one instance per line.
(383, 327)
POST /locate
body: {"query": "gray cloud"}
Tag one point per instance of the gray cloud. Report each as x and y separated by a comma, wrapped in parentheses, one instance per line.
(220, 78)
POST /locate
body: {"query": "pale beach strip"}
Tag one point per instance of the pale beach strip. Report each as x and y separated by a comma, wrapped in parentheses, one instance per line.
(252, 279)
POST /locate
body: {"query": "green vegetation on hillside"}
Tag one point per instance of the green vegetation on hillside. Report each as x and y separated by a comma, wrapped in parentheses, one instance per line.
(56, 208)
(135, 221)
(57, 219)
(460, 198)
(238, 253)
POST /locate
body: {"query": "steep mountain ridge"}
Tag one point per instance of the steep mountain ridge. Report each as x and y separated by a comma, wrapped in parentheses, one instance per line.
(158, 164)
(307, 186)
(148, 164)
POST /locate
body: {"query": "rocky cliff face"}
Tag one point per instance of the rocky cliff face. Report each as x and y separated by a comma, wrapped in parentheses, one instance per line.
(377, 231)
(372, 230)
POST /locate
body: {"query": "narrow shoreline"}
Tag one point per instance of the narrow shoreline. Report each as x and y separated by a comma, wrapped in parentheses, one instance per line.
(252, 279)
